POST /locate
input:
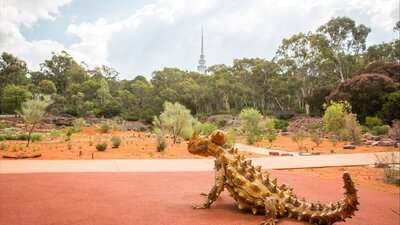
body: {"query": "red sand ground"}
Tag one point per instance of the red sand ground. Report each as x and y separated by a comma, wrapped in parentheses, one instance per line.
(159, 198)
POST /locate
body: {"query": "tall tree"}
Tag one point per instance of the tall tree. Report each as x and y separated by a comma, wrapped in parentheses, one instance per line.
(345, 42)
(13, 97)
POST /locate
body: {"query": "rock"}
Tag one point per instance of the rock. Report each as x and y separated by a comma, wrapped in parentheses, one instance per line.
(304, 154)
(316, 153)
(285, 133)
(387, 143)
(368, 142)
(376, 138)
(274, 153)
(286, 154)
(375, 143)
(349, 147)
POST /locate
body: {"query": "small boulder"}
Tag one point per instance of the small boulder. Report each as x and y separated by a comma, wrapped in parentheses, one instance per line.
(349, 147)
(274, 153)
(375, 143)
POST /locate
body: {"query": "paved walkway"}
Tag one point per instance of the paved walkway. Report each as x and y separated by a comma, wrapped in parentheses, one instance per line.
(180, 165)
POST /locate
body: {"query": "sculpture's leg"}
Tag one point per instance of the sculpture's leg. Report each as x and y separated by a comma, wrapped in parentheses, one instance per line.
(216, 189)
(270, 212)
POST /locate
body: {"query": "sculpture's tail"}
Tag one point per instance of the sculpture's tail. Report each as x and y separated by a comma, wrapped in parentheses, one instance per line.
(327, 213)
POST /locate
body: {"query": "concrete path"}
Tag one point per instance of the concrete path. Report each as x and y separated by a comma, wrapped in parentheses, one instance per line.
(180, 165)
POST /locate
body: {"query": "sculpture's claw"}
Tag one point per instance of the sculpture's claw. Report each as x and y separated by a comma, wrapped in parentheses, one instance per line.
(200, 206)
(269, 222)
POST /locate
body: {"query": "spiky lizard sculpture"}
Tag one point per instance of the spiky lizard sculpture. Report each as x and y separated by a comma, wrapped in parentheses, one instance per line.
(255, 191)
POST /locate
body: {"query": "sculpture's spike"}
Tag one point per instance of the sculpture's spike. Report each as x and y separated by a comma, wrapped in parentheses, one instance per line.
(273, 189)
(254, 211)
(303, 199)
(275, 181)
(258, 169)
(249, 162)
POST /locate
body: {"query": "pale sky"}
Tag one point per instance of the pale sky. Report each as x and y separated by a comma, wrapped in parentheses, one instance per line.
(142, 36)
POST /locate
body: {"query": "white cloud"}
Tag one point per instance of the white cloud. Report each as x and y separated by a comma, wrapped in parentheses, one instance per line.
(167, 32)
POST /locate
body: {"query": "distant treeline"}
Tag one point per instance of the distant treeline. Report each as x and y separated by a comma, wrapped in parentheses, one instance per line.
(308, 70)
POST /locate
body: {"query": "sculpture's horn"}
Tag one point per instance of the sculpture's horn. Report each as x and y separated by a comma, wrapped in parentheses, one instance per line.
(194, 135)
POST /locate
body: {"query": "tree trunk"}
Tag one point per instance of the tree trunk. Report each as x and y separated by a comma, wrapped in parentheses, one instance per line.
(307, 106)
(29, 135)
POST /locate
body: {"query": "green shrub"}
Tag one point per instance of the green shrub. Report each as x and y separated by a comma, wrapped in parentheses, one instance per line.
(142, 129)
(314, 127)
(104, 128)
(298, 137)
(101, 147)
(270, 131)
(22, 137)
(316, 139)
(79, 123)
(2, 138)
(70, 132)
(380, 130)
(116, 141)
(251, 123)
(36, 137)
(365, 129)
(281, 124)
(3, 146)
(56, 134)
(221, 123)
(161, 140)
(372, 121)
(231, 133)
(206, 128)
(186, 133)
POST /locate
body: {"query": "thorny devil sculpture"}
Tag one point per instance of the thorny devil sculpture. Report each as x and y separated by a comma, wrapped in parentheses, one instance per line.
(255, 191)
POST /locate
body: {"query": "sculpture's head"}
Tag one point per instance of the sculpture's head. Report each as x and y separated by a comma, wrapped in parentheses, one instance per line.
(206, 146)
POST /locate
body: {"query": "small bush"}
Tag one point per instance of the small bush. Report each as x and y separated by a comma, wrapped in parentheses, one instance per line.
(56, 134)
(7, 137)
(104, 128)
(231, 133)
(380, 130)
(69, 146)
(316, 139)
(161, 140)
(3, 146)
(116, 141)
(70, 132)
(221, 123)
(142, 129)
(298, 137)
(372, 121)
(2, 138)
(101, 147)
(36, 137)
(206, 128)
(314, 127)
(186, 133)
(79, 123)
(281, 124)
(22, 137)
(365, 129)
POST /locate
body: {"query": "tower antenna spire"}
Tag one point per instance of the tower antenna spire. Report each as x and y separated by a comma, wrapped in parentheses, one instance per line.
(202, 62)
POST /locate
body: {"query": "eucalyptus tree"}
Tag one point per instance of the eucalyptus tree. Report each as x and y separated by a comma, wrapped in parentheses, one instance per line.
(344, 44)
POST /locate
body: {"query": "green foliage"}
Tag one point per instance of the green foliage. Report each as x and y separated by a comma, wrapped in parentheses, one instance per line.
(3, 146)
(174, 119)
(36, 137)
(298, 137)
(101, 146)
(79, 123)
(186, 133)
(334, 117)
(270, 131)
(390, 108)
(116, 141)
(221, 123)
(251, 119)
(104, 127)
(56, 134)
(316, 138)
(13, 97)
(314, 127)
(380, 130)
(22, 137)
(70, 132)
(365, 129)
(352, 130)
(372, 121)
(281, 124)
(231, 133)
(206, 128)
(161, 140)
